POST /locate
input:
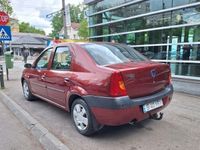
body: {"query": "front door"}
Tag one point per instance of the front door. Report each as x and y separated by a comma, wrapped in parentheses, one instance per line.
(57, 79)
(38, 74)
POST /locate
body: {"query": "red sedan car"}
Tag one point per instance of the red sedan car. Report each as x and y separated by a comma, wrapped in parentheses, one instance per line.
(99, 83)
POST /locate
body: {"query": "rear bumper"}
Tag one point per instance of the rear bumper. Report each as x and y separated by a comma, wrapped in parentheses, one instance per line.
(121, 110)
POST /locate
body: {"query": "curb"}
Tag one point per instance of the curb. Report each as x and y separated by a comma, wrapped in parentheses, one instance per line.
(47, 139)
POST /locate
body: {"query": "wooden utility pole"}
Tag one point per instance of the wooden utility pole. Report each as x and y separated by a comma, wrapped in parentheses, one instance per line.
(64, 19)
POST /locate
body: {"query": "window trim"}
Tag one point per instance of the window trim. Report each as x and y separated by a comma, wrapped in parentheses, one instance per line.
(146, 30)
(54, 57)
(147, 14)
(38, 59)
(186, 77)
(177, 61)
(116, 7)
(165, 44)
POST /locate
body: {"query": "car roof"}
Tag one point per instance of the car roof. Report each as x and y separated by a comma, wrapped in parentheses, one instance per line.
(82, 43)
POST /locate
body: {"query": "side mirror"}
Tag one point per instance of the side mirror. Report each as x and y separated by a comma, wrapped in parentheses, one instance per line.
(28, 65)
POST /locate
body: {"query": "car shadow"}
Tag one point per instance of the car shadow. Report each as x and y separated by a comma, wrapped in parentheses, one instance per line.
(44, 103)
(123, 130)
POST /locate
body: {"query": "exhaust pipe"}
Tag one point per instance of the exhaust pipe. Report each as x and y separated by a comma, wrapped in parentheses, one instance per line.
(154, 117)
(157, 116)
(133, 122)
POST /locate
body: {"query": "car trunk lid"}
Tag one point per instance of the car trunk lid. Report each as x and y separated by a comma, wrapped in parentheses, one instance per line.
(143, 78)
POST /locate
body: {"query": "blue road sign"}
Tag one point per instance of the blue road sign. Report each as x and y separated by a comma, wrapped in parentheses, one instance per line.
(5, 33)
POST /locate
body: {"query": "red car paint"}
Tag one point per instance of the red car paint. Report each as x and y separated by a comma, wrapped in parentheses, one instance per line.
(122, 116)
(86, 78)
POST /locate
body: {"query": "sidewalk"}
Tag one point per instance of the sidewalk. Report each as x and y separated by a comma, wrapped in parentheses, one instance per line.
(1, 58)
(13, 136)
(37, 130)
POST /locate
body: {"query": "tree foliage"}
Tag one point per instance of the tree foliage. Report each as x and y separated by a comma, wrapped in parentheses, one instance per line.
(76, 14)
(6, 7)
(27, 28)
(57, 24)
(83, 31)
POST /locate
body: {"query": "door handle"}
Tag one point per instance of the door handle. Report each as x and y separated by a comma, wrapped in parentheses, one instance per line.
(43, 76)
(66, 80)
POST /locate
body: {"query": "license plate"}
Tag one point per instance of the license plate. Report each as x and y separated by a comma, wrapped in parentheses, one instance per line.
(152, 105)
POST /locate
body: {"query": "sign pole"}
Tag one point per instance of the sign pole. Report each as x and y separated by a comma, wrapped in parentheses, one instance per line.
(2, 46)
(7, 75)
(1, 77)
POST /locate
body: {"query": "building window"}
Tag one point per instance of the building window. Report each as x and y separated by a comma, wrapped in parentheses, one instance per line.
(163, 30)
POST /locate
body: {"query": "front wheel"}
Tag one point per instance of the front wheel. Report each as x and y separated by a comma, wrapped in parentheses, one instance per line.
(82, 117)
(26, 90)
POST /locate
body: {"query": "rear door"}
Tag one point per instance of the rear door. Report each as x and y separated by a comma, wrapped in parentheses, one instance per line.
(58, 77)
(38, 73)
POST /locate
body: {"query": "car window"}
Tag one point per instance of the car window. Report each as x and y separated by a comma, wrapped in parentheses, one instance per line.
(62, 59)
(107, 54)
(43, 61)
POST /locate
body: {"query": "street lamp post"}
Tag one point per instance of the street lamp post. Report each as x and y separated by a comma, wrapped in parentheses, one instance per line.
(64, 13)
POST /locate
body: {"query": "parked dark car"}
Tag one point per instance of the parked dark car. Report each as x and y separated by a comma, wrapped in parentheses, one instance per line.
(99, 84)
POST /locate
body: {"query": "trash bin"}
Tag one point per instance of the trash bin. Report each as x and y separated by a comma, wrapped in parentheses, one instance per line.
(9, 59)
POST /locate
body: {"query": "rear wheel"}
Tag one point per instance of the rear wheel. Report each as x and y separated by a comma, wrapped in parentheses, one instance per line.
(83, 118)
(26, 90)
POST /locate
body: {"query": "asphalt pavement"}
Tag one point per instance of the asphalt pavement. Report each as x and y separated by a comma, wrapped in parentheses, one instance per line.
(179, 129)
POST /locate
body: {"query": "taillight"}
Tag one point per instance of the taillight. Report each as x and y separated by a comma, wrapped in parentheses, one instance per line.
(117, 87)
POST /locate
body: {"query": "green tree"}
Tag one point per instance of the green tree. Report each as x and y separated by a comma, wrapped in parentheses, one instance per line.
(5, 6)
(57, 24)
(83, 31)
(27, 28)
(76, 14)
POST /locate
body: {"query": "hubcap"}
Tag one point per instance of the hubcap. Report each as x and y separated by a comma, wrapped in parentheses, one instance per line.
(80, 117)
(26, 90)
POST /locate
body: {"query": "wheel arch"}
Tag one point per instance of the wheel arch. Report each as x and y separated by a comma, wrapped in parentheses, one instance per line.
(72, 98)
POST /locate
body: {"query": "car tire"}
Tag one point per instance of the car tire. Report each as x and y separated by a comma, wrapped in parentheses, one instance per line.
(26, 91)
(83, 119)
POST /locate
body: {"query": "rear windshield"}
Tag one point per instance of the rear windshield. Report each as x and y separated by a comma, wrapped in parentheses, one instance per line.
(107, 54)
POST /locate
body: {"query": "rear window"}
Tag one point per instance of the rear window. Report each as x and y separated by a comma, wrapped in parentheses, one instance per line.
(107, 54)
